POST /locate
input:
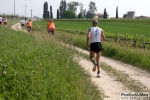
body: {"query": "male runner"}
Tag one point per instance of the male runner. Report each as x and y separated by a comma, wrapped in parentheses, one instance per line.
(51, 27)
(22, 22)
(94, 35)
(29, 25)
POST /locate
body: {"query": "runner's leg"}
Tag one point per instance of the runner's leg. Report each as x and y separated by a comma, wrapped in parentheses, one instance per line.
(92, 56)
(98, 54)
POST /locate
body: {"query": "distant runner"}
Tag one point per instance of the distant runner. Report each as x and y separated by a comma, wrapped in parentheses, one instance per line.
(29, 25)
(22, 22)
(51, 27)
(94, 35)
(1, 19)
(5, 22)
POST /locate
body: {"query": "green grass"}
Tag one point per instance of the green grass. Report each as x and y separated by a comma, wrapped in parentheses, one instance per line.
(40, 68)
(134, 56)
(108, 27)
(122, 52)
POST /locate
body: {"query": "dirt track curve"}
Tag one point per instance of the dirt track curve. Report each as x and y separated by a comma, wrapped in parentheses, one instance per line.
(106, 83)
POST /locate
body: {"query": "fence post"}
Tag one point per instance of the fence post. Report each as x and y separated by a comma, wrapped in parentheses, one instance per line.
(134, 42)
(144, 46)
(126, 38)
(118, 38)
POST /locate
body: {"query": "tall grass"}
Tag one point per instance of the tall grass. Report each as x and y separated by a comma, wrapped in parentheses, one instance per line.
(134, 56)
(37, 67)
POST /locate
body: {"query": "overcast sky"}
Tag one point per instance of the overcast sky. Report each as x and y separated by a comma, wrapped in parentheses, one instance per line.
(141, 7)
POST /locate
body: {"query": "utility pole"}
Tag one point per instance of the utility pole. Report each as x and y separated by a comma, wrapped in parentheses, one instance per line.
(31, 14)
(25, 11)
(14, 7)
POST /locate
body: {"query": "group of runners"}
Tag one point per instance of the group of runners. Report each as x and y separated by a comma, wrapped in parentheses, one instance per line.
(50, 26)
(94, 36)
(28, 24)
(3, 20)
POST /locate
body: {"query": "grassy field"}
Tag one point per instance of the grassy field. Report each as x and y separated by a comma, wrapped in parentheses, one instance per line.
(37, 67)
(125, 53)
(108, 27)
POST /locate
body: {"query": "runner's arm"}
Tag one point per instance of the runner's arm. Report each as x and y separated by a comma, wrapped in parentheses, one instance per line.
(88, 37)
(103, 35)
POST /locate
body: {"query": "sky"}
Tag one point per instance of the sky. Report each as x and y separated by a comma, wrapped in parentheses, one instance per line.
(141, 7)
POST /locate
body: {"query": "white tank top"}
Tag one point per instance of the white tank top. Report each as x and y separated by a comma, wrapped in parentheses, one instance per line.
(22, 22)
(0, 19)
(5, 20)
(95, 34)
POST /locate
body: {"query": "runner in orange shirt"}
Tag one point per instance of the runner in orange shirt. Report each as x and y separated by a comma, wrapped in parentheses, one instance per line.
(51, 27)
(29, 25)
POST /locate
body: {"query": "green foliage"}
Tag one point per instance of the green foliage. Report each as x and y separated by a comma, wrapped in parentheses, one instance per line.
(39, 68)
(92, 7)
(82, 10)
(58, 14)
(91, 11)
(117, 12)
(89, 15)
(68, 14)
(72, 6)
(122, 52)
(51, 12)
(45, 11)
(80, 16)
(105, 14)
(62, 8)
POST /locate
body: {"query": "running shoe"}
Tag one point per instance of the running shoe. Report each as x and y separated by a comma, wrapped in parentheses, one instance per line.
(98, 74)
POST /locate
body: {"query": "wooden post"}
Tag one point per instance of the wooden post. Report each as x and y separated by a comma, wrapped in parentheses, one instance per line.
(118, 38)
(144, 46)
(134, 42)
(126, 38)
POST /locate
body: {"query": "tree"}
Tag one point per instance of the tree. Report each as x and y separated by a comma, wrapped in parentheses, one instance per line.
(91, 11)
(62, 8)
(57, 13)
(72, 6)
(68, 15)
(105, 14)
(89, 15)
(82, 11)
(45, 12)
(51, 13)
(117, 12)
(80, 16)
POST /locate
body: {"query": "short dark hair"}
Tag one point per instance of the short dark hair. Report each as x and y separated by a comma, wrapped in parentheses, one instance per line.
(95, 22)
(29, 20)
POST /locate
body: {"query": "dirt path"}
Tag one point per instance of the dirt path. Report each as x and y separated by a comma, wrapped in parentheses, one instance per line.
(135, 73)
(106, 83)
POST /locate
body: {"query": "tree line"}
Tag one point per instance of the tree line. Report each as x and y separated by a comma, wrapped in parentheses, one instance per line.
(69, 10)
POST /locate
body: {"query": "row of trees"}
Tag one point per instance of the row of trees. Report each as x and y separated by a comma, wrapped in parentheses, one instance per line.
(46, 13)
(68, 10)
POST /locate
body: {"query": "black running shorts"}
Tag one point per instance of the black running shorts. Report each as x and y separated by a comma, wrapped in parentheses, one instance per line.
(96, 47)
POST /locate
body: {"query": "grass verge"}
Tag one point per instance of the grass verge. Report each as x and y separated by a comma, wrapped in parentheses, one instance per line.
(135, 56)
(38, 67)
